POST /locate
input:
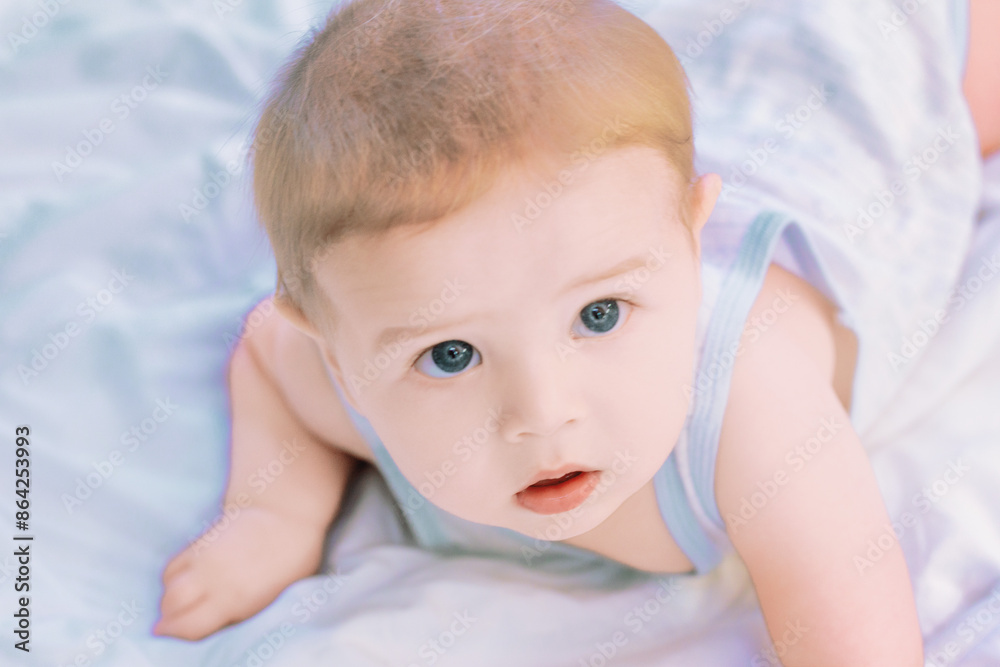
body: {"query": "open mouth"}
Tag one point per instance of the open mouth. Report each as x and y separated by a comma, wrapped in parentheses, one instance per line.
(560, 494)
(550, 482)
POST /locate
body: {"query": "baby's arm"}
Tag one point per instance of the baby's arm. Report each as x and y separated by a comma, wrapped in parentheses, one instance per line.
(284, 489)
(803, 545)
(982, 83)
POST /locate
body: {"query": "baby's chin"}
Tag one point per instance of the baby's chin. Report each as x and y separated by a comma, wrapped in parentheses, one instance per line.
(562, 526)
(548, 528)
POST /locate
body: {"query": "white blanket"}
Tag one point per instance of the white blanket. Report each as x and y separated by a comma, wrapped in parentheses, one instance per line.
(129, 255)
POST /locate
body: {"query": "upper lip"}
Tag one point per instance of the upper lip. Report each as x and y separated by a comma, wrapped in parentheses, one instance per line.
(557, 473)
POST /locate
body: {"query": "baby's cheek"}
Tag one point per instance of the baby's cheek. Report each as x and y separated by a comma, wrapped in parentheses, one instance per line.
(439, 476)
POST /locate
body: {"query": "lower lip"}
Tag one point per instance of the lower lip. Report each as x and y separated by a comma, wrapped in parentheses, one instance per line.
(557, 498)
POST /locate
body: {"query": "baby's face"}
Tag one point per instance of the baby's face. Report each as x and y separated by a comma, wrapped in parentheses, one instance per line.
(543, 339)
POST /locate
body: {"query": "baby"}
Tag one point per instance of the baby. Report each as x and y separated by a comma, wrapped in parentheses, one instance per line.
(486, 221)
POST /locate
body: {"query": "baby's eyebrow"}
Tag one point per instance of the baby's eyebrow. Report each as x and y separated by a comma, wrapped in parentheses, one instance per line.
(621, 268)
(391, 335)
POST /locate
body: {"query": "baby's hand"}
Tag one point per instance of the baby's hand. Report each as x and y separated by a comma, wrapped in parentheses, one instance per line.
(244, 567)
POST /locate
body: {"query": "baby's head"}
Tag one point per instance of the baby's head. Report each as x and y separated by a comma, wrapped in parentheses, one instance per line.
(486, 215)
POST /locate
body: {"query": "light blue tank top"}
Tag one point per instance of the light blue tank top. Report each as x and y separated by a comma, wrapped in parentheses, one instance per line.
(735, 258)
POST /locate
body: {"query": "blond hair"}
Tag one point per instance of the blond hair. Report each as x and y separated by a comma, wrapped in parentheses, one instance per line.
(401, 112)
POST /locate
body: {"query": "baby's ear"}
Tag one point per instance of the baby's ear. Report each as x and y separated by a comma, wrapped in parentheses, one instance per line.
(705, 192)
(291, 312)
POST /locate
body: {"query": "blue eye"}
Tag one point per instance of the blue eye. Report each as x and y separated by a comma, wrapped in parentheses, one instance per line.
(447, 359)
(452, 357)
(600, 317)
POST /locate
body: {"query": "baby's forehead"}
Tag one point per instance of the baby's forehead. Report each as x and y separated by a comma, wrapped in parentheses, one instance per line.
(546, 210)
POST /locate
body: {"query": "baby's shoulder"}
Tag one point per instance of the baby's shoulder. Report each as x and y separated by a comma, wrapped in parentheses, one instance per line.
(790, 309)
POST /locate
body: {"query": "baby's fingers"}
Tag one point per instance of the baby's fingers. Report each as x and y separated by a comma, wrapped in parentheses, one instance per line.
(181, 593)
(177, 564)
(195, 622)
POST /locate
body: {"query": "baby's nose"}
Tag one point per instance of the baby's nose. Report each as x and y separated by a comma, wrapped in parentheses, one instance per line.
(539, 396)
